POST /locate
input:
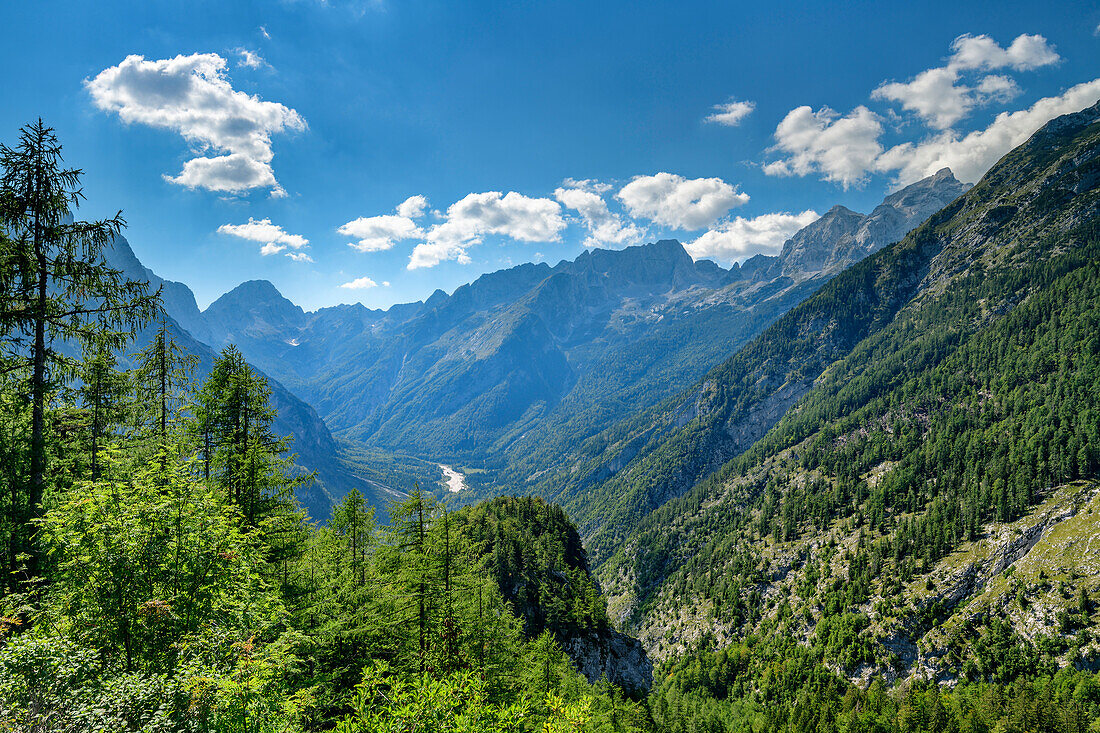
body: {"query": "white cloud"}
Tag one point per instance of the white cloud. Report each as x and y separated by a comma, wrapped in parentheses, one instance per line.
(933, 94)
(299, 256)
(604, 227)
(971, 155)
(413, 207)
(360, 283)
(431, 253)
(678, 202)
(377, 233)
(982, 52)
(264, 33)
(731, 113)
(939, 96)
(846, 149)
(233, 173)
(841, 149)
(511, 215)
(273, 237)
(587, 184)
(998, 88)
(742, 237)
(192, 96)
(250, 59)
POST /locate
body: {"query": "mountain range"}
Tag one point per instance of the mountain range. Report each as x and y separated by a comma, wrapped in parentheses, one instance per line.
(508, 375)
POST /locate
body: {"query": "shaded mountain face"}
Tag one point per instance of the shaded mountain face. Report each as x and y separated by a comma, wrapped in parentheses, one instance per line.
(312, 442)
(932, 395)
(511, 372)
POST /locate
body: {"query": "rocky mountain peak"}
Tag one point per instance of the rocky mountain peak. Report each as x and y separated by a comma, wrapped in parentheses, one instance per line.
(809, 249)
(255, 306)
(842, 237)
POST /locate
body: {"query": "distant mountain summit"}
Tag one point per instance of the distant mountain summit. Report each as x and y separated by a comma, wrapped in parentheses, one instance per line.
(253, 309)
(843, 237)
(813, 246)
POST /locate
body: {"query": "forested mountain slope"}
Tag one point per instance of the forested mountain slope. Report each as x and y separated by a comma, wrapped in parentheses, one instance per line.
(928, 497)
(1019, 214)
(313, 444)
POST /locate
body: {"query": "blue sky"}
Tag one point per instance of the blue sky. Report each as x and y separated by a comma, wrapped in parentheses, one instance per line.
(415, 145)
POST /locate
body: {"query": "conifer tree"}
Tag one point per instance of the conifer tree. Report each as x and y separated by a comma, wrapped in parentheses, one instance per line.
(247, 462)
(410, 524)
(55, 285)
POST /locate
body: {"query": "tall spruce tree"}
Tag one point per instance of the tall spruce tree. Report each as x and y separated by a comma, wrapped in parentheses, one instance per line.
(54, 286)
(244, 459)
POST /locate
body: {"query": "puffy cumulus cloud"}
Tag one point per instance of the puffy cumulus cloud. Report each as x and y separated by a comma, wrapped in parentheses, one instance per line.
(678, 202)
(468, 220)
(731, 113)
(192, 96)
(360, 283)
(511, 215)
(933, 94)
(299, 256)
(272, 236)
(998, 88)
(741, 237)
(938, 98)
(1026, 52)
(604, 227)
(941, 98)
(846, 149)
(377, 233)
(431, 253)
(413, 207)
(971, 155)
(233, 173)
(840, 149)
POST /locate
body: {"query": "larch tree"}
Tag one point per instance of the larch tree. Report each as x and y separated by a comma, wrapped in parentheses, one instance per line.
(55, 286)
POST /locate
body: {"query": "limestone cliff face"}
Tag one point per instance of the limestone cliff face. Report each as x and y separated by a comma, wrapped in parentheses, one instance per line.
(619, 658)
(896, 216)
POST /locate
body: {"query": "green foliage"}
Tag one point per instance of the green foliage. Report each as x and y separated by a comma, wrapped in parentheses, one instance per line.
(457, 703)
(54, 287)
(533, 552)
(145, 559)
(769, 685)
(182, 588)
